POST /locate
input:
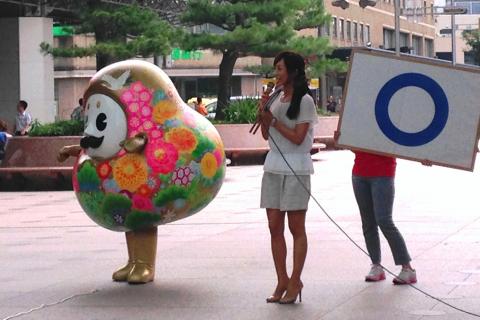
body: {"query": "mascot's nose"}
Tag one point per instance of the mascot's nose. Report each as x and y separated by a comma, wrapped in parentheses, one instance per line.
(91, 142)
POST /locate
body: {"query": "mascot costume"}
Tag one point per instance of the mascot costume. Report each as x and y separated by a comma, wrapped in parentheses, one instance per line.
(146, 159)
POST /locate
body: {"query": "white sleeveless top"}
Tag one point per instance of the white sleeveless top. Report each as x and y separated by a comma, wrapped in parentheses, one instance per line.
(298, 156)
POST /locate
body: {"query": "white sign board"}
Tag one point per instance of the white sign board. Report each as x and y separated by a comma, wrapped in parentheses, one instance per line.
(412, 108)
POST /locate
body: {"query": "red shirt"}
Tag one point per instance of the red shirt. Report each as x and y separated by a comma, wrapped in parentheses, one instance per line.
(372, 165)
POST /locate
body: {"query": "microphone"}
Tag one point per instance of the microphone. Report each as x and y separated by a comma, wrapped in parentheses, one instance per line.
(268, 91)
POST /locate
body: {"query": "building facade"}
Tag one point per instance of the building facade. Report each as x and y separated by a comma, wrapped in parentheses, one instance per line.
(463, 23)
(195, 73)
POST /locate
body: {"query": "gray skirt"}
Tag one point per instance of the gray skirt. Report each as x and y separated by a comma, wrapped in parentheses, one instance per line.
(284, 192)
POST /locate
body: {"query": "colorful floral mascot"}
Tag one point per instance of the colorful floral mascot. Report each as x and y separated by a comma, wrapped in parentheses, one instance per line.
(146, 159)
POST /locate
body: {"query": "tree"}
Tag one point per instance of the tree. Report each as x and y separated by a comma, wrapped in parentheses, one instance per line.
(252, 27)
(472, 38)
(121, 32)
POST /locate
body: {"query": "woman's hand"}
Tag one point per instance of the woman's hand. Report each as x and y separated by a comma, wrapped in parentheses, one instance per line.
(266, 118)
(426, 162)
(336, 135)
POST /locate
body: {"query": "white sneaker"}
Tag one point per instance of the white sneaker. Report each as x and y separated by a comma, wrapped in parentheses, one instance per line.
(406, 276)
(376, 274)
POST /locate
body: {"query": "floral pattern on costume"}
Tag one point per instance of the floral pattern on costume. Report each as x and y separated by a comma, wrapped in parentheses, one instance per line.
(178, 171)
(161, 156)
(130, 172)
(182, 138)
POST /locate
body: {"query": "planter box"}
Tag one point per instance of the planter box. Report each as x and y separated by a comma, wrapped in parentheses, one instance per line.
(31, 164)
(237, 136)
(37, 151)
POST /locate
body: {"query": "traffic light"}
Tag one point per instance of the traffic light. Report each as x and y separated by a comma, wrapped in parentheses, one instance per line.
(366, 3)
(341, 3)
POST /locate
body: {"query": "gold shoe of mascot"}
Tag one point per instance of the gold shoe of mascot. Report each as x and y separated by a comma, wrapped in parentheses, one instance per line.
(146, 159)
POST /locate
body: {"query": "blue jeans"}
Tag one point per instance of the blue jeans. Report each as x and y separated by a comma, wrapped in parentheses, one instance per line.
(375, 200)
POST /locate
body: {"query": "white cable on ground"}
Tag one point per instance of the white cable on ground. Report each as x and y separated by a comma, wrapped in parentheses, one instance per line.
(43, 306)
(356, 244)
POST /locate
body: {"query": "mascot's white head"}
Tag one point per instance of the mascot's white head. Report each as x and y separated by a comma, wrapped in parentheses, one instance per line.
(105, 122)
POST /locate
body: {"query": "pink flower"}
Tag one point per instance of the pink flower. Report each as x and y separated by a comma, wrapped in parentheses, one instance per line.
(133, 123)
(161, 156)
(155, 134)
(145, 96)
(126, 97)
(133, 107)
(218, 156)
(146, 111)
(142, 203)
(137, 86)
(148, 125)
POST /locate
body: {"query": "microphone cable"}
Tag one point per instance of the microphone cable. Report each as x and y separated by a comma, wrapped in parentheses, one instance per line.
(355, 243)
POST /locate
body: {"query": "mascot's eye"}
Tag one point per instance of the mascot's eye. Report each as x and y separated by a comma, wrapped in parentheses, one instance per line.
(101, 121)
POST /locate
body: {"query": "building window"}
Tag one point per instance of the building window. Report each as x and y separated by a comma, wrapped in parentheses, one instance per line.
(417, 46)
(429, 48)
(367, 33)
(465, 5)
(388, 39)
(334, 27)
(362, 34)
(355, 31)
(404, 40)
(470, 58)
(349, 30)
(475, 7)
(341, 28)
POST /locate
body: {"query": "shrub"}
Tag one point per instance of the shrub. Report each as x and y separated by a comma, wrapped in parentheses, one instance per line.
(242, 111)
(58, 128)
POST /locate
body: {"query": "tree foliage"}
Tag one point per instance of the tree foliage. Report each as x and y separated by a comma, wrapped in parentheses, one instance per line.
(251, 27)
(472, 38)
(120, 32)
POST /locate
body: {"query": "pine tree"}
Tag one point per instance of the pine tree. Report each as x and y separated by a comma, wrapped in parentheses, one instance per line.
(121, 32)
(472, 38)
(252, 27)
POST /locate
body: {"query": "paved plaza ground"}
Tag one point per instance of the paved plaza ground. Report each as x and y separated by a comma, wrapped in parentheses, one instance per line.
(57, 264)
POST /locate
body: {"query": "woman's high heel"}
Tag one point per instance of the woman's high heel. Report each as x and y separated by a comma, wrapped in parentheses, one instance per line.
(290, 300)
(276, 298)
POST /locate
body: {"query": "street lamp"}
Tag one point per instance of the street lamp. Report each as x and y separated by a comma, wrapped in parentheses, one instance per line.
(362, 3)
(452, 11)
(341, 3)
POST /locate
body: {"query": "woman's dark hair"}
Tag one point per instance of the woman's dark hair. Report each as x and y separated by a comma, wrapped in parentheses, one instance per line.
(295, 65)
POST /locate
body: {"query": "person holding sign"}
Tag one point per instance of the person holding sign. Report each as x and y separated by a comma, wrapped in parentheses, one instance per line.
(373, 179)
(287, 121)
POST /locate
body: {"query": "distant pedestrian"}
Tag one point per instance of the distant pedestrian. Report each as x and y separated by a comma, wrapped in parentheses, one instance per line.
(4, 136)
(200, 107)
(331, 104)
(23, 120)
(78, 113)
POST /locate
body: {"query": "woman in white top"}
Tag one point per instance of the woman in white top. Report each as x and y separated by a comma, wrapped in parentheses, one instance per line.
(288, 126)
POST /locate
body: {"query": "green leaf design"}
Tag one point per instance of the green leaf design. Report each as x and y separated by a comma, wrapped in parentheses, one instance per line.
(139, 220)
(170, 194)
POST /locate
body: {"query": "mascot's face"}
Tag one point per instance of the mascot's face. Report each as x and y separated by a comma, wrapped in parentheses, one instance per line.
(106, 127)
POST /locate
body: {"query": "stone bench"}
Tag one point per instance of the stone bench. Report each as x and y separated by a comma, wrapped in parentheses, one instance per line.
(240, 143)
(36, 156)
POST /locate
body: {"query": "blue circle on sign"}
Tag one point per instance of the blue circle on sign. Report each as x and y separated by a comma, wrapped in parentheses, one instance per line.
(407, 138)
